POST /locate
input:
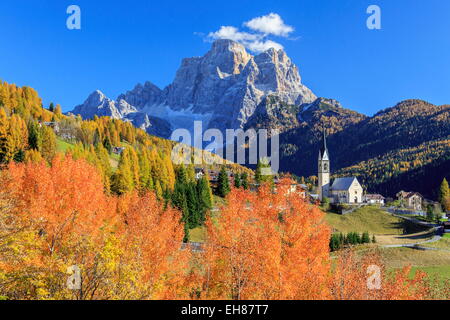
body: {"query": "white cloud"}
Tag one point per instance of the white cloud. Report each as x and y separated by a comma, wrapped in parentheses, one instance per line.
(270, 24)
(256, 40)
(232, 33)
(261, 46)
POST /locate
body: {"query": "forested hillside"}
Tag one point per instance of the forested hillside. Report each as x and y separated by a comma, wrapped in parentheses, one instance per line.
(395, 144)
(127, 158)
(29, 132)
(417, 168)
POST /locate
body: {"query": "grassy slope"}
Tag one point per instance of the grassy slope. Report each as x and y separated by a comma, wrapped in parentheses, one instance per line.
(434, 263)
(198, 234)
(371, 219)
(63, 146)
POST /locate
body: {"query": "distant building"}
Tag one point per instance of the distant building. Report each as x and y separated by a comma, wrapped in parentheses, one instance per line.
(53, 125)
(346, 190)
(118, 150)
(199, 173)
(411, 200)
(374, 199)
(213, 175)
(297, 188)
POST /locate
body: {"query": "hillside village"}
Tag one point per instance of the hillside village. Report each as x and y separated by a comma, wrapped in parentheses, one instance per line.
(349, 192)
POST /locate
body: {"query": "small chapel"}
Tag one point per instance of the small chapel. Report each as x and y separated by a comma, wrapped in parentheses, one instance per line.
(346, 190)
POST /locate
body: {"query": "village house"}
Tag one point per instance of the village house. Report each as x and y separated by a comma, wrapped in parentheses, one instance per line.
(53, 125)
(118, 150)
(346, 190)
(411, 200)
(374, 199)
(199, 173)
(300, 189)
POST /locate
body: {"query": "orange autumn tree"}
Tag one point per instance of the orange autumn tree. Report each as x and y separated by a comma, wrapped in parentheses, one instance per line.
(151, 248)
(58, 216)
(65, 200)
(266, 245)
(62, 217)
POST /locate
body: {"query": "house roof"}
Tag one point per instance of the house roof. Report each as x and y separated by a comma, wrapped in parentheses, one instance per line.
(343, 183)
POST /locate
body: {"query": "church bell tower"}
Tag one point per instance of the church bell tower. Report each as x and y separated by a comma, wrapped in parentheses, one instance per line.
(324, 169)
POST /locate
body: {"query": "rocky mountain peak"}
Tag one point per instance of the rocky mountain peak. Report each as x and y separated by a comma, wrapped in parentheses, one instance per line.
(223, 88)
(228, 56)
(142, 94)
(96, 98)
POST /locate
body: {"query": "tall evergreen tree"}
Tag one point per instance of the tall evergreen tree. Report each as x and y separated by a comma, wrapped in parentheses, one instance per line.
(365, 237)
(223, 187)
(237, 180)
(34, 137)
(244, 180)
(182, 177)
(204, 197)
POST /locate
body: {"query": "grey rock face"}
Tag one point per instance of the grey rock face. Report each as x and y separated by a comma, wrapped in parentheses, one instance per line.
(97, 104)
(222, 89)
(142, 95)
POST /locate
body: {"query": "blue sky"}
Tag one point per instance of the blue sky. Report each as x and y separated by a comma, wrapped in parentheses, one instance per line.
(123, 43)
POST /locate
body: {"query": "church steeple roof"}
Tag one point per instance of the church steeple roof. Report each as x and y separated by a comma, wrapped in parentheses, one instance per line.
(323, 154)
(324, 148)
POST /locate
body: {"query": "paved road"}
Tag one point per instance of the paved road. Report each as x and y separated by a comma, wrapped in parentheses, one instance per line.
(437, 229)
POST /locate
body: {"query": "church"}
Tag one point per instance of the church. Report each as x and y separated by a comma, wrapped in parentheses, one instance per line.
(345, 190)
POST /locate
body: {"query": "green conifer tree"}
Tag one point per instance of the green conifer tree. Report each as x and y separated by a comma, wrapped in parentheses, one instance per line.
(244, 180)
(204, 196)
(237, 180)
(223, 187)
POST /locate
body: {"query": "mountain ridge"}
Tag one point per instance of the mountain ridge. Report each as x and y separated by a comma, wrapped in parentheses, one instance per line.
(222, 88)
